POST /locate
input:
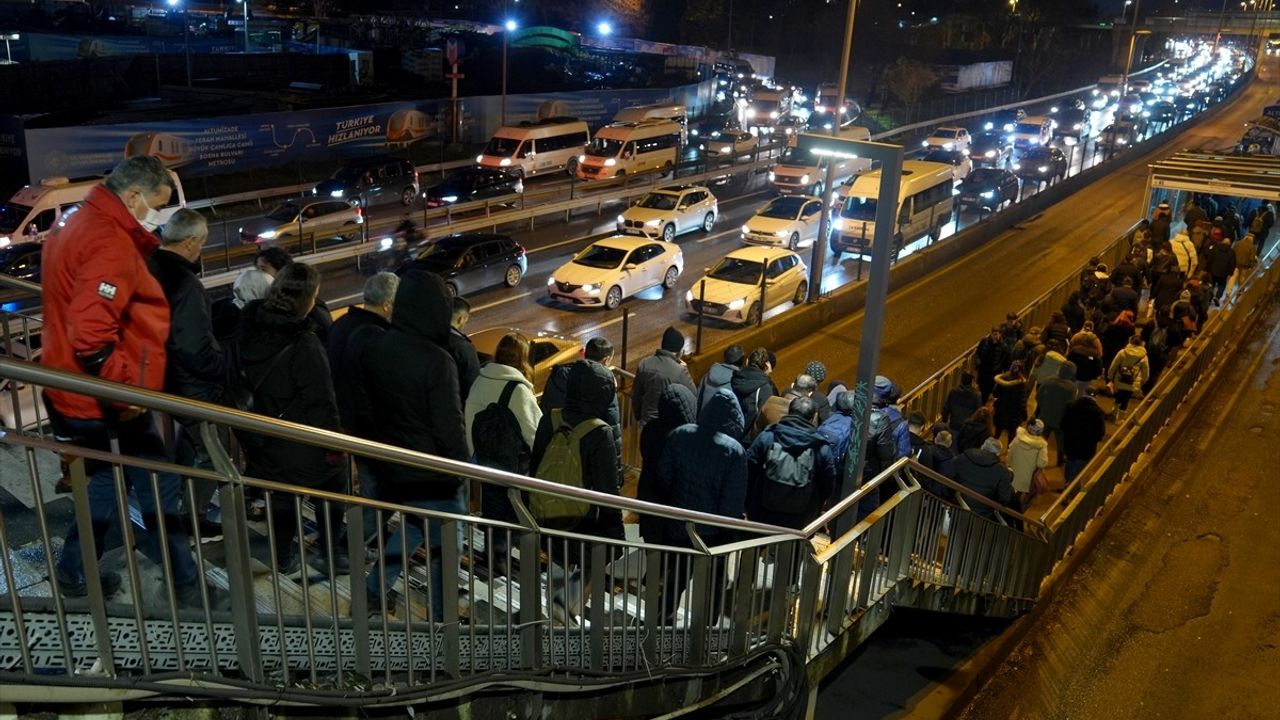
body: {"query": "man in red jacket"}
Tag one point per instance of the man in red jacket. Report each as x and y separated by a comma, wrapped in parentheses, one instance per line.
(106, 315)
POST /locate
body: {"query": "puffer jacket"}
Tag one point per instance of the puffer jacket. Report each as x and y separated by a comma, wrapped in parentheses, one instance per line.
(704, 468)
(99, 292)
(795, 435)
(981, 472)
(1184, 251)
(676, 407)
(1027, 453)
(1010, 395)
(588, 394)
(298, 388)
(1134, 356)
(488, 388)
(412, 383)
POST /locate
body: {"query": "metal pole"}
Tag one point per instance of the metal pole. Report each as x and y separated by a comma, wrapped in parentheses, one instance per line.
(626, 318)
(873, 321)
(186, 39)
(702, 303)
(246, 25)
(504, 77)
(1133, 36)
(819, 245)
(1222, 19)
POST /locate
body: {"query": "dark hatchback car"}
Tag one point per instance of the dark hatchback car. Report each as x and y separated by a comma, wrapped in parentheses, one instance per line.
(21, 261)
(469, 184)
(1041, 164)
(1073, 122)
(372, 182)
(990, 148)
(987, 189)
(470, 262)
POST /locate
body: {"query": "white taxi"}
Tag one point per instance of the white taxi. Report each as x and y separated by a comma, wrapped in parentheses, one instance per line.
(786, 221)
(733, 287)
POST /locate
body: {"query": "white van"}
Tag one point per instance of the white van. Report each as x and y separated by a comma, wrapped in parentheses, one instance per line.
(924, 207)
(629, 148)
(798, 173)
(36, 209)
(1032, 131)
(536, 148)
(674, 112)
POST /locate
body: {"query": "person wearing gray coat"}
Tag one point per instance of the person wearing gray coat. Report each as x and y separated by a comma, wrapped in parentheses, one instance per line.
(658, 371)
(1052, 398)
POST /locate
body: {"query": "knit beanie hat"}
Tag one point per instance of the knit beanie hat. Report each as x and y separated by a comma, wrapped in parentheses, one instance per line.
(816, 370)
(672, 340)
(991, 445)
(1036, 427)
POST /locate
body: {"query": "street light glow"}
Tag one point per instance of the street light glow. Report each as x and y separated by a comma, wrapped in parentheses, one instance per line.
(511, 25)
(604, 28)
(173, 3)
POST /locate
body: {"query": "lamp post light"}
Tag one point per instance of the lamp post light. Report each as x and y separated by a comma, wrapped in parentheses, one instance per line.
(186, 35)
(1134, 32)
(245, 5)
(8, 56)
(604, 29)
(508, 27)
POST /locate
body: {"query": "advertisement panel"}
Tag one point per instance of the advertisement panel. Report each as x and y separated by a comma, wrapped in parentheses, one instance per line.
(196, 147)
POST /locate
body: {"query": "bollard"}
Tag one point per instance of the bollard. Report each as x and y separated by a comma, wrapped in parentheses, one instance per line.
(626, 317)
(702, 301)
(764, 267)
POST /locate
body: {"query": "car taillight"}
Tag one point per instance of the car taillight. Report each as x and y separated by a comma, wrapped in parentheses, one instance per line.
(415, 176)
(359, 213)
(519, 252)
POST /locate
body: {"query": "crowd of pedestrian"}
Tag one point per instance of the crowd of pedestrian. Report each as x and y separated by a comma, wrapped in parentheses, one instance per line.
(400, 370)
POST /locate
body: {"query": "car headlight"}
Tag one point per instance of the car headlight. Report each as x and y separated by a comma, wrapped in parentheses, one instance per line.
(551, 280)
(479, 158)
(804, 179)
(772, 176)
(694, 132)
(702, 146)
(337, 193)
(621, 220)
(506, 162)
(653, 223)
(5, 241)
(924, 143)
(688, 296)
(988, 194)
(751, 112)
(746, 230)
(267, 234)
(1122, 141)
(989, 154)
(773, 115)
(1035, 141)
(1017, 166)
(583, 158)
(838, 225)
(450, 198)
(781, 233)
(386, 243)
(1077, 126)
(989, 126)
(738, 304)
(1043, 168)
(610, 162)
(591, 288)
(948, 146)
(726, 149)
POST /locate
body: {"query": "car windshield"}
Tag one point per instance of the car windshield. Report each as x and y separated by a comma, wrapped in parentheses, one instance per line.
(784, 208)
(601, 256)
(11, 216)
(658, 201)
(604, 147)
(439, 255)
(737, 270)
(940, 157)
(14, 253)
(984, 176)
(348, 175)
(793, 156)
(859, 208)
(501, 147)
(946, 133)
(284, 213)
(1028, 128)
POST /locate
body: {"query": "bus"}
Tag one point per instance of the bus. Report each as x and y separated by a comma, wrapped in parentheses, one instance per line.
(924, 206)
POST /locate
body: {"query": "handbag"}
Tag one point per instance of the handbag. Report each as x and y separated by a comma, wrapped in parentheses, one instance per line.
(1039, 482)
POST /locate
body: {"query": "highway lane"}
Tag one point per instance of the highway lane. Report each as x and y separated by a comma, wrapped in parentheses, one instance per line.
(930, 322)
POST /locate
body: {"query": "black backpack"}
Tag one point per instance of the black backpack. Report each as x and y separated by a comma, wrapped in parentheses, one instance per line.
(496, 436)
(789, 486)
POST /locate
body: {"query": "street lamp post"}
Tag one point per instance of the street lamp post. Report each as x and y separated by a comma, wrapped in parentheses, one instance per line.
(8, 56)
(824, 227)
(1133, 36)
(245, 5)
(186, 36)
(508, 28)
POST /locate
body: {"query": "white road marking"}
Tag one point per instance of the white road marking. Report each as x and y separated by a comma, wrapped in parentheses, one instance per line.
(503, 301)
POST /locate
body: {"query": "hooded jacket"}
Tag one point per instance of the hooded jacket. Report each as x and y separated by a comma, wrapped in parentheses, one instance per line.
(197, 366)
(1010, 395)
(653, 374)
(553, 397)
(1027, 452)
(704, 468)
(1220, 260)
(795, 435)
(488, 389)
(961, 403)
(349, 338)
(981, 472)
(1054, 394)
(753, 387)
(719, 377)
(1184, 251)
(1134, 356)
(676, 406)
(1246, 254)
(588, 394)
(412, 383)
(99, 293)
(298, 388)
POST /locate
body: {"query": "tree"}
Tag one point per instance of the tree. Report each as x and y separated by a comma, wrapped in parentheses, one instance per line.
(908, 80)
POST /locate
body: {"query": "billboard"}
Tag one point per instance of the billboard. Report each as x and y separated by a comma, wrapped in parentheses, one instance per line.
(211, 146)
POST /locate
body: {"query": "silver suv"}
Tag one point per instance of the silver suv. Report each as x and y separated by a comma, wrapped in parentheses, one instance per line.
(670, 211)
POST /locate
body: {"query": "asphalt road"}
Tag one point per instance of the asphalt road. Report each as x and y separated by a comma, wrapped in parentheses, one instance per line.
(1175, 613)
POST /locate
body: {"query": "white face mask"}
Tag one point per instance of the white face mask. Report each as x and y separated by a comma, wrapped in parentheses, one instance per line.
(152, 219)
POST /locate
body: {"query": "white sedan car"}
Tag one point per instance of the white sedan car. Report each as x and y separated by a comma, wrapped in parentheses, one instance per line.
(732, 288)
(670, 211)
(949, 138)
(614, 268)
(731, 144)
(786, 221)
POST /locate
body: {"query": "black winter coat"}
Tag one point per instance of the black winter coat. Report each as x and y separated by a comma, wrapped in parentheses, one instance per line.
(795, 435)
(962, 402)
(753, 387)
(1010, 402)
(982, 473)
(553, 397)
(198, 368)
(992, 357)
(1084, 425)
(676, 407)
(412, 383)
(652, 375)
(298, 388)
(1220, 260)
(468, 362)
(349, 337)
(704, 468)
(588, 394)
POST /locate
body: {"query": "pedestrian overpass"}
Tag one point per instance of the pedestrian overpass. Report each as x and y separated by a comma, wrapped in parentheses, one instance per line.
(528, 621)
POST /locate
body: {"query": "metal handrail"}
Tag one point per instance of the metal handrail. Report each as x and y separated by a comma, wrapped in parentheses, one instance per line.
(34, 373)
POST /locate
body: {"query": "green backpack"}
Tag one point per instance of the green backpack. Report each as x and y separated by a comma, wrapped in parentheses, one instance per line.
(562, 463)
